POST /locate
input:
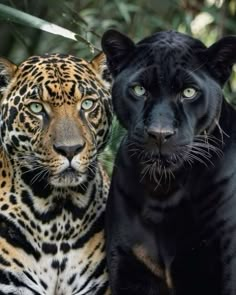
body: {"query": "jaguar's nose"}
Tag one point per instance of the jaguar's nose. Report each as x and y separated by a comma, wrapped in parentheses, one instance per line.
(69, 151)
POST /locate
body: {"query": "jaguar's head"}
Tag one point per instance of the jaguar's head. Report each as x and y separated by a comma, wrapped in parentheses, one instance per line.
(167, 92)
(55, 116)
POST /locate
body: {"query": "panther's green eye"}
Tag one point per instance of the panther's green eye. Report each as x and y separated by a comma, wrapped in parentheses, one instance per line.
(36, 107)
(189, 93)
(87, 104)
(139, 90)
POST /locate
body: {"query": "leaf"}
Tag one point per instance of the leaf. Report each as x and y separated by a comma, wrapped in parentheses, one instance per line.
(124, 11)
(20, 17)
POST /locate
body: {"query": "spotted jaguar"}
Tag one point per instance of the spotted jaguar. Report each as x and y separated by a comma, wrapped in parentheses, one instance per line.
(55, 116)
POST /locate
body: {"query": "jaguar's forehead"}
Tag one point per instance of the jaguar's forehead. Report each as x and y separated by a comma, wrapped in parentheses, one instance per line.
(55, 65)
(56, 78)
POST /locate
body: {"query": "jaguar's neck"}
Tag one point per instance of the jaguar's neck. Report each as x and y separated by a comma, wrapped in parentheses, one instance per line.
(33, 192)
(6, 173)
(49, 210)
(49, 214)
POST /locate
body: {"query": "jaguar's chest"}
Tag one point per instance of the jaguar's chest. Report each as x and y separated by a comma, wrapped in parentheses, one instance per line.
(52, 250)
(55, 264)
(63, 273)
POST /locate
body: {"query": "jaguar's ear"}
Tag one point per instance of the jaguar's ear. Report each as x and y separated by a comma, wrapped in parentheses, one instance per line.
(99, 64)
(7, 71)
(117, 48)
(221, 57)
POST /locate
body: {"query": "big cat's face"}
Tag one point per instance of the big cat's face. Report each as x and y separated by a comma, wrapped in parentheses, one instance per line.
(166, 97)
(56, 116)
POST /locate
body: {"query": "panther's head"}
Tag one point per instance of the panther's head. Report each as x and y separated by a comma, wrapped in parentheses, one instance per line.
(55, 116)
(167, 92)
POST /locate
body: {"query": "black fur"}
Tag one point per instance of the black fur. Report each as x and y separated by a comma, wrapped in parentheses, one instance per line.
(171, 213)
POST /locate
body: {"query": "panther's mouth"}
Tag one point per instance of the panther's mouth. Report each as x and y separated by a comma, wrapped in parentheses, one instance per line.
(163, 163)
(161, 168)
(168, 162)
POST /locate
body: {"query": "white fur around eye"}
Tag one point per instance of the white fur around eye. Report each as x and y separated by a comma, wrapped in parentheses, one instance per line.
(139, 90)
(189, 93)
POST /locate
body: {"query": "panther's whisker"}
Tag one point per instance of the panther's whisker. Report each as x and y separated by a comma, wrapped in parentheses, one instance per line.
(198, 159)
(221, 129)
(152, 170)
(209, 147)
(210, 138)
(158, 181)
(144, 172)
(222, 133)
(206, 138)
(204, 156)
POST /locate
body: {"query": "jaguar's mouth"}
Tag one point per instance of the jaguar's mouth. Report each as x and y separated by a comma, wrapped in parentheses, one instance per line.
(67, 178)
(69, 172)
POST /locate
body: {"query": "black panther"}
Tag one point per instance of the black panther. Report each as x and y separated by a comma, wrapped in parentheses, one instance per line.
(171, 212)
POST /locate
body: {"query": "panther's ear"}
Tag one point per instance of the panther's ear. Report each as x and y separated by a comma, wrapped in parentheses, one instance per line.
(99, 64)
(117, 48)
(7, 71)
(221, 57)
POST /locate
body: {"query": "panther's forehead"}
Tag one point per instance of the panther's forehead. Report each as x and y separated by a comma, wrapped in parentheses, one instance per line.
(56, 79)
(170, 50)
(171, 40)
(166, 60)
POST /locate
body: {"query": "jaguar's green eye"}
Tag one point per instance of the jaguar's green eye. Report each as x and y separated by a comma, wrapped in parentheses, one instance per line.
(36, 107)
(87, 104)
(189, 93)
(139, 90)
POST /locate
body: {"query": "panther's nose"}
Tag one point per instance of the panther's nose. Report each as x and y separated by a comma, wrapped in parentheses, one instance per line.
(68, 151)
(160, 135)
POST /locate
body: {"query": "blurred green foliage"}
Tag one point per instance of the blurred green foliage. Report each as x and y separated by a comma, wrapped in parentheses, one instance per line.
(208, 20)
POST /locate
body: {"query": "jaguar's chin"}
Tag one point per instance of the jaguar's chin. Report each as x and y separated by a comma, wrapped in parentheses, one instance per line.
(68, 178)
